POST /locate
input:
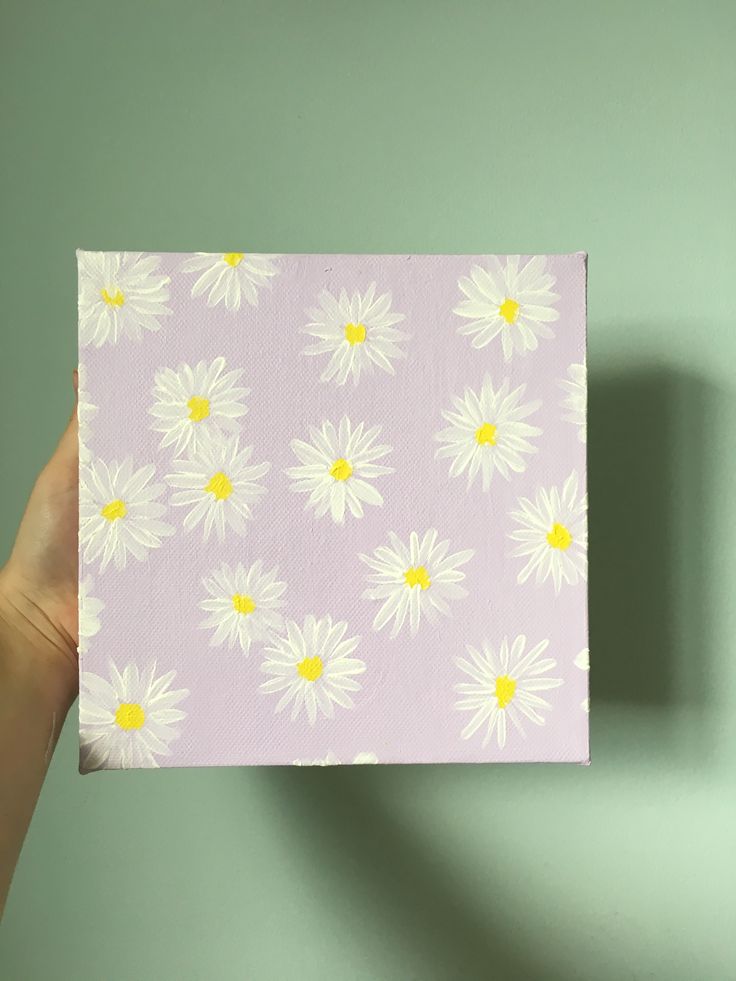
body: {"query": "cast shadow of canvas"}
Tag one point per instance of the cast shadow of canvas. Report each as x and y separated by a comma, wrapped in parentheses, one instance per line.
(650, 448)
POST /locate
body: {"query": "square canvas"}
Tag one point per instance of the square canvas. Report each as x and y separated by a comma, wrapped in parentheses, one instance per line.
(332, 509)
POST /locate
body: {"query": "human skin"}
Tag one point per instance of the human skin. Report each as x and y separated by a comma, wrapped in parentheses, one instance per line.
(38, 643)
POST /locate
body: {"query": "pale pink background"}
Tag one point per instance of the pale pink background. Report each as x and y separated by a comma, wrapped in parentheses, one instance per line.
(405, 710)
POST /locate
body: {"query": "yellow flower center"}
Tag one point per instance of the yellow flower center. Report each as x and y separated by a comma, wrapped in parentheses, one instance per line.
(233, 258)
(559, 537)
(220, 486)
(509, 310)
(341, 469)
(114, 510)
(505, 690)
(130, 715)
(199, 408)
(243, 604)
(417, 577)
(485, 435)
(354, 334)
(112, 297)
(310, 668)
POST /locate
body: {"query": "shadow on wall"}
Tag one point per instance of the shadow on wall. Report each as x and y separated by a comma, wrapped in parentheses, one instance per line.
(649, 478)
(650, 455)
(393, 891)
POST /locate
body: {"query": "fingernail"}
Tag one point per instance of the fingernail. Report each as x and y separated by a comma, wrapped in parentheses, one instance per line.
(75, 380)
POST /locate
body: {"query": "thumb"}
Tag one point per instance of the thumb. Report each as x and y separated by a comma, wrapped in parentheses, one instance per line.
(67, 452)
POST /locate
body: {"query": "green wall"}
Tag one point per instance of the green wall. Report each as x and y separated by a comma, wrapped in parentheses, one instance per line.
(397, 127)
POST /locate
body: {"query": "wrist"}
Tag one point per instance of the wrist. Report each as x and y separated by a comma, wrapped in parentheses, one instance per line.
(34, 652)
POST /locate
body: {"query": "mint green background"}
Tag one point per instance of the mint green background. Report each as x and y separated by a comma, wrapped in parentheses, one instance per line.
(407, 126)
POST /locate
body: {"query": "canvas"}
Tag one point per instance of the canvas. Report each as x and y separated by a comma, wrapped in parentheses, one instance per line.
(332, 509)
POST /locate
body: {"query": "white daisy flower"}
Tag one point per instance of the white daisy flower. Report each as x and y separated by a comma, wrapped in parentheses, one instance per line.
(504, 686)
(120, 294)
(86, 411)
(243, 605)
(332, 760)
(329, 760)
(503, 299)
(487, 432)
(128, 720)
(218, 485)
(195, 402)
(119, 513)
(230, 277)
(336, 468)
(313, 668)
(582, 661)
(414, 579)
(576, 400)
(89, 611)
(553, 535)
(358, 332)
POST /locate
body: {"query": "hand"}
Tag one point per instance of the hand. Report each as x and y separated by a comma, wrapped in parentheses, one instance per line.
(38, 643)
(38, 586)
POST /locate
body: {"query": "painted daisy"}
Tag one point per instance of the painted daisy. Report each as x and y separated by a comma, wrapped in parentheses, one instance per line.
(127, 721)
(576, 399)
(517, 303)
(195, 402)
(329, 760)
(487, 432)
(312, 667)
(332, 760)
(120, 294)
(358, 332)
(582, 661)
(336, 468)
(230, 277)
(243, 605)
(89, 611)
(553, 534)
(217, 485)
(86, 412)
(119, 512)
(504, 685)
(414, 579)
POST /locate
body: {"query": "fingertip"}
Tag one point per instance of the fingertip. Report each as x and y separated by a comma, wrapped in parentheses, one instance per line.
(75, 380)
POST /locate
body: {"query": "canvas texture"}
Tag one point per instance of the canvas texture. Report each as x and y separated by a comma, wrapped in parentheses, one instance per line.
(332, 509)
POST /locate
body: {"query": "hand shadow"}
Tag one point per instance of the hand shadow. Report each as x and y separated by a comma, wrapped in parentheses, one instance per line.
(413, 896)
